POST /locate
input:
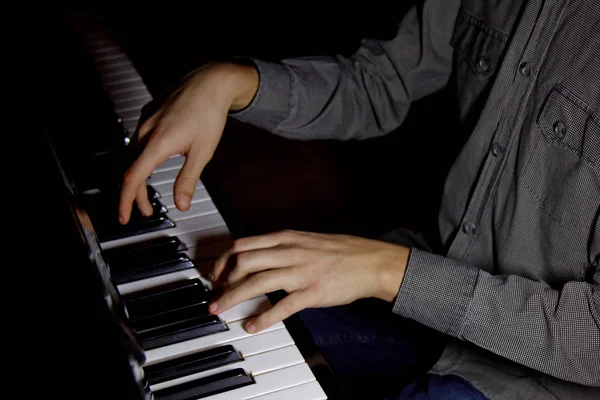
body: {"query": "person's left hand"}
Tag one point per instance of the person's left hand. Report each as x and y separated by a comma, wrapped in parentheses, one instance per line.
(316, 270)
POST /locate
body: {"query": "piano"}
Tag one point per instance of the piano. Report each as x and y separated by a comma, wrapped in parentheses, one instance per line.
(146, 279)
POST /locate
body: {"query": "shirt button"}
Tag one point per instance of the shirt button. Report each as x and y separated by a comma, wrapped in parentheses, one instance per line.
(560, 129)
(483, 64)
(469, 227)
(497, 150)
(525, 70)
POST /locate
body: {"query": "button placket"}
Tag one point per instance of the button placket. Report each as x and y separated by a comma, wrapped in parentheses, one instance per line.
(525, 69)
(497, 150)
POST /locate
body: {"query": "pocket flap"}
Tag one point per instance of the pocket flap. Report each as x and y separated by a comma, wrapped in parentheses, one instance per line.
(481, 46)
(566, 121)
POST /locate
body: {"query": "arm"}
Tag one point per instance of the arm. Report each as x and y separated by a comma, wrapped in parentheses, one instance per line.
(362, 96)
(555, 331)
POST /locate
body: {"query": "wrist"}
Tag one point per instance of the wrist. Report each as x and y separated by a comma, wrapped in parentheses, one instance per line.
(239, 83)
(391, 273)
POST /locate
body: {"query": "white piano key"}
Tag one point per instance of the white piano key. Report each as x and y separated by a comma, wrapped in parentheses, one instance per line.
(246, 309)
(130, 95)
(121, 80)
(124, 89)
(130, 115)
(306, 391)
(167, 188)
(248, 346)
(167, 176)
(268, 383)
(105, 66)
(109, 57)
(173, 162)
(197, 209)
(215, 233)
(263, 342)
(236, 331)
(200, 194)
(113, 48)
(256, 365)
(208, 251)
(121, 74)
(190, 231)
(132, 102)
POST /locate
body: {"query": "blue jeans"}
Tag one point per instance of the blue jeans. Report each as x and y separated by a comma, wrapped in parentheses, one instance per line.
(376, 354)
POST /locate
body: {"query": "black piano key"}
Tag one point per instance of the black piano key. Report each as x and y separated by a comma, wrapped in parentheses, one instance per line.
(167, 287)
(103, 210)
(172, 317)
(180, 330)
(142, 268)
(152, 193)
(148, 249)
(208, 386)
(192, 364)
(137, 225)
(174, 298)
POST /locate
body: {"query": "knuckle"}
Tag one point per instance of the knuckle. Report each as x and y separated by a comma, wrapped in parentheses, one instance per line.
(286, 234)
(238, 244)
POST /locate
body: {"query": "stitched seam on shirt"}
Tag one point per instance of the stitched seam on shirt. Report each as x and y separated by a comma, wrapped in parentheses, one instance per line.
(579, 102)
(547, 212)
(293, 91)
(556, 142)
(485, 28)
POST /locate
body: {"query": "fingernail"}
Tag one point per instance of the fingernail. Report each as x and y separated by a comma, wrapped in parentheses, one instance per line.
(250, 327)
(213, 307)
(121, 220)
(210, 276)
(183, 201)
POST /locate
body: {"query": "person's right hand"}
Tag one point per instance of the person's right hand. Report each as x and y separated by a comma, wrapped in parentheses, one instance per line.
(189, 123)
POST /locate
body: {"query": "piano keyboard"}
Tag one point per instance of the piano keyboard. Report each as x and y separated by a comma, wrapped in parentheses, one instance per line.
(189, 354)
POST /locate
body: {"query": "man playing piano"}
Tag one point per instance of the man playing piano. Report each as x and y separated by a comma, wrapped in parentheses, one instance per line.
(517, 291)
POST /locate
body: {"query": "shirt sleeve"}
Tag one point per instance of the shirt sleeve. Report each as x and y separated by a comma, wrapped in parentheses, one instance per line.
(365, 95)
(555, 331)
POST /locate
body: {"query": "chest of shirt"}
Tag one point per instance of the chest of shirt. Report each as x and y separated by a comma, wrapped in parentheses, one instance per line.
(528, 82)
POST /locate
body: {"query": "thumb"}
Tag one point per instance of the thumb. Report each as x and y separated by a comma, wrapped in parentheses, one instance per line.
(187, 179)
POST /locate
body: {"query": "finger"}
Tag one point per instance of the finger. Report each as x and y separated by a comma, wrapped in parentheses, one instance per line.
(149, 124)
(187, 179)
(142, 200)
(250, 243)
(137, 174)
(254, 286)
(286, 307)
(254, 261)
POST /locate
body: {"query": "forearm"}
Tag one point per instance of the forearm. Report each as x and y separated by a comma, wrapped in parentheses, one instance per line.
(553, 331)
(365, 95)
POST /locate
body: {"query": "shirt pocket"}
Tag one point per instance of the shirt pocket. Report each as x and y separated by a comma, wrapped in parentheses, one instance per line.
(563, 171)
(478, 52)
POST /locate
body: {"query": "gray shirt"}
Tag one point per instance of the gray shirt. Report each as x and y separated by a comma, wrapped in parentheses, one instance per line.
(518, 289)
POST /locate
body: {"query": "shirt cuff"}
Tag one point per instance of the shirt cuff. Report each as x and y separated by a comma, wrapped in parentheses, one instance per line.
(272, 101)
(436, 291)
